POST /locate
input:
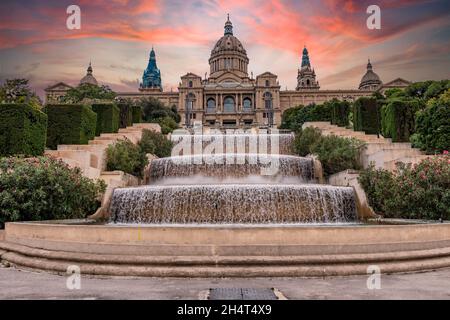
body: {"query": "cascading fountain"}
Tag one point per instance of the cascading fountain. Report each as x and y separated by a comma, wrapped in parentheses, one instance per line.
(228, 168)
(249, 183)
(235, 143)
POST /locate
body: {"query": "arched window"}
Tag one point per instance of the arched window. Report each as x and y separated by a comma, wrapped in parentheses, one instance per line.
(267, 83)
(191, 84)
(247, 104)
(211, 105)
(229, 104)
(308, 82)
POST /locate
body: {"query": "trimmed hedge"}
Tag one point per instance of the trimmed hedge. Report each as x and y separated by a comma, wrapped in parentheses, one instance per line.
(366, 115)
(137, 114)
(433, 125)
(70, 124)
(294, 118)
(397, 119)
(23, 130)
(339, 113)
(108, 117)
(126, 115)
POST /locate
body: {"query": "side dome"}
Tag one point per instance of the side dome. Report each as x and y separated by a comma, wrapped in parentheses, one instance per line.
(370, 81)
(89, 77)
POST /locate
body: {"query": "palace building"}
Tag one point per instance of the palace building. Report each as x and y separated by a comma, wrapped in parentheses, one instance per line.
(230, 97)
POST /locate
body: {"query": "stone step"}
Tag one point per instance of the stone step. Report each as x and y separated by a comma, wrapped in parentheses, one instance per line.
(392, 165)
(81, 156)
(102, 142)
(87, 171)
(380, 158)
(97, 150)
(128, 264)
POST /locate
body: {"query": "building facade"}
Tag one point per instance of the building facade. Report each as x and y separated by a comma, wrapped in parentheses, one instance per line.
(230, 98)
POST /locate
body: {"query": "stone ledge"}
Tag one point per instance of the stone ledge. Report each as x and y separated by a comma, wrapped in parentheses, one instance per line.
(225, 271)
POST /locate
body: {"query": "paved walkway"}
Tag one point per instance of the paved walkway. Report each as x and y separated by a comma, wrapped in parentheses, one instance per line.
(16, 284)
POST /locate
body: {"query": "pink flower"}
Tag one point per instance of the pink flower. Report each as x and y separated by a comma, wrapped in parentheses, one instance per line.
(445, 151)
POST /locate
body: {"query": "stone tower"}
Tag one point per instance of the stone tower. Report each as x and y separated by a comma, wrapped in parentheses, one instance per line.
(306, 75)
(151, 80)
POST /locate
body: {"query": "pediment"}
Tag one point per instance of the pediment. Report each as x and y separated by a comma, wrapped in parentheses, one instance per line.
(267, 75)
(60, 86)
(399, 82)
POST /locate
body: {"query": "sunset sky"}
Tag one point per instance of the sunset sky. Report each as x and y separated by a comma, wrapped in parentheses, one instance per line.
(117, 35)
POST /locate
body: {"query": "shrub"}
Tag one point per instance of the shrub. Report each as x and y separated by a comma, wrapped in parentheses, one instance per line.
(107, 118)
(23, 130)
(337, 154)
(433, 125)
(294, 118)
(339, 112)
(70, 124)
(127, 157)
(153, 110)
(366, 115)
(412, 192)
(167, 124)
(137, 114)
(45, 189)
(305, 139)
(155, 143)
(397, 119)
(126, 115)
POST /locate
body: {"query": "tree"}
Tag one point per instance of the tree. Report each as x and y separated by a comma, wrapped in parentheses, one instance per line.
(18, 91)
(88, 91)
(154, 111)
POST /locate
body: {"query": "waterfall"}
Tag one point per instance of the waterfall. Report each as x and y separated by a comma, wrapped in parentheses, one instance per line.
(242, 179)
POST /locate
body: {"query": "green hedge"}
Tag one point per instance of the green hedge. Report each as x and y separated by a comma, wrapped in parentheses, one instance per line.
(108, 117)
(70, 124)
(366, 115)
(397, 119)
(126, 115)
(433, 125)
(294, 118)
(339, 112)
(23, 130)
(137, 114)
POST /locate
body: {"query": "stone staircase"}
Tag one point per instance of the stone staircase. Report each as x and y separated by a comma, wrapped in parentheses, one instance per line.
(91, 159)
(380, 151)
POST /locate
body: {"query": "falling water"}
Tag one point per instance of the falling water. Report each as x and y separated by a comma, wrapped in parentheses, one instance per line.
(232, 184)
(234, 204)
(226, 166)
(235, 143)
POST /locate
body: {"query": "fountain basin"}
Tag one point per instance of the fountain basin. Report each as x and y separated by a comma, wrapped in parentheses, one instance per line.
(226, 251)
(234, 203)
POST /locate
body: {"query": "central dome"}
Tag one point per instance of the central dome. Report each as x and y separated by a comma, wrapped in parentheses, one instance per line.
(228, 55)
(228, 43)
